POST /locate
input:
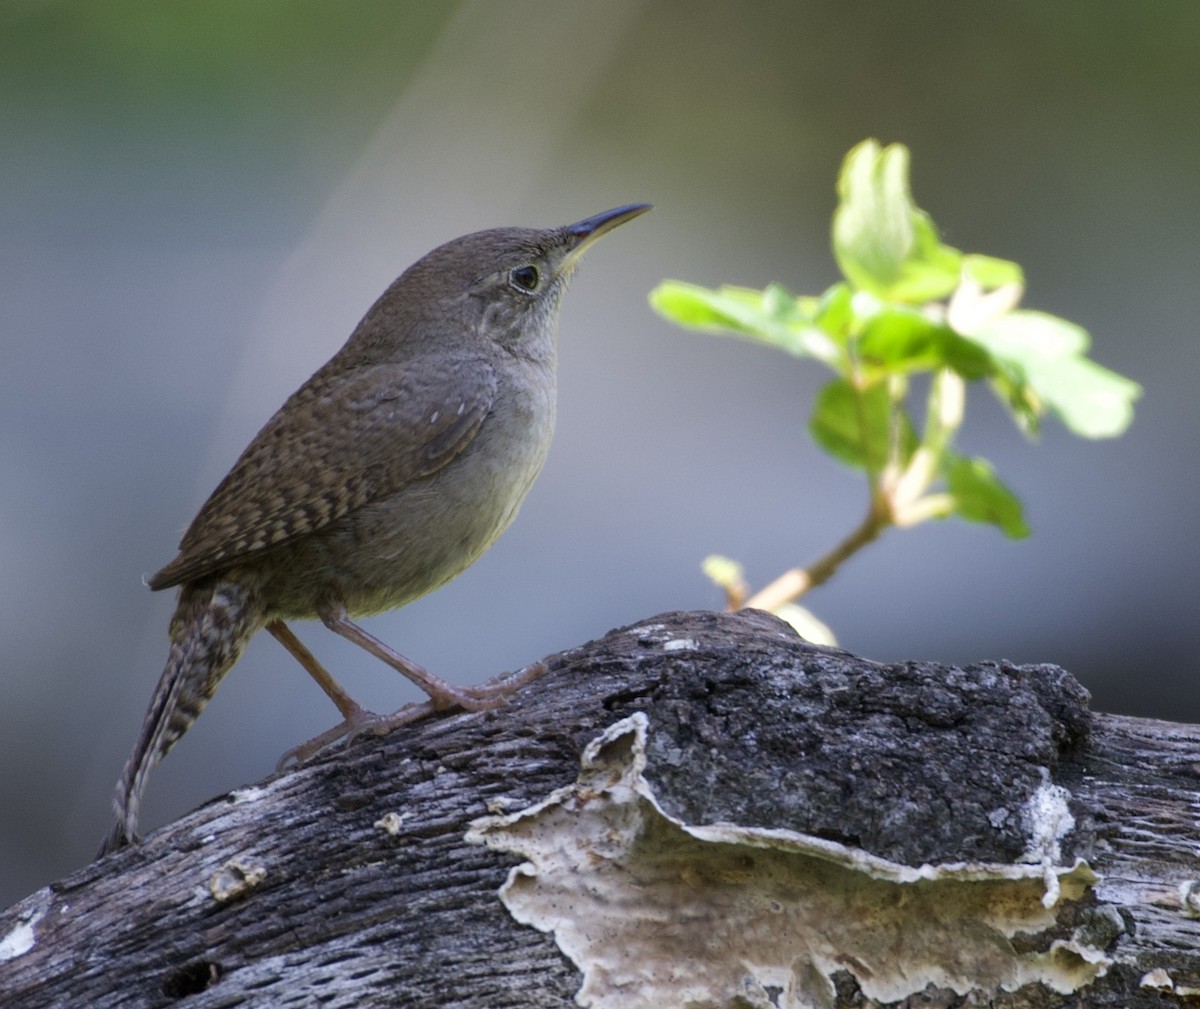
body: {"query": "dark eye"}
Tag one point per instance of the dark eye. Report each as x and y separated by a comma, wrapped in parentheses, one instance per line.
(525, 278)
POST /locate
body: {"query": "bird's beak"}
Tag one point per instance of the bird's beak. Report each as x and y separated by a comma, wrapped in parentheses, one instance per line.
(581, 235)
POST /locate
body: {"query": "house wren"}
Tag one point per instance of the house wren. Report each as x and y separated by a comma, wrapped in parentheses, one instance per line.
(385, 475)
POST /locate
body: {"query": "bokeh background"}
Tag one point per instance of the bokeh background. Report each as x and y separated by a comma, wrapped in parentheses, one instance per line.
(199, 200)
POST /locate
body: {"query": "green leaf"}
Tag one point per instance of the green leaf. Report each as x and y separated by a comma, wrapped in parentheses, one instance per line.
(772, 317)
(702, 308)
(990, 273)
(1015, 393)
(1089, 399)
(1026, 336)
(855, 425)
(902, 339)
(979, 495)
(833, 311)
(882, 241)
(1047, 354)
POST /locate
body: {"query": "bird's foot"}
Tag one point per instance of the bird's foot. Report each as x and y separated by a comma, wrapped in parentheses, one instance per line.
(492, 694)
(349, 729)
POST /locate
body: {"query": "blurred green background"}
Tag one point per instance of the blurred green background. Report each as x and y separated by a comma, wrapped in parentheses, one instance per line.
(199, 200)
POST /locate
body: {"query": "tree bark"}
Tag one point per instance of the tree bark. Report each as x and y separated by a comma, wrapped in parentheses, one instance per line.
(756, 821)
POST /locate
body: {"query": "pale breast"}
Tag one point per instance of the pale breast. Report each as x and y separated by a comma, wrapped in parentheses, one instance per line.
(392, 551)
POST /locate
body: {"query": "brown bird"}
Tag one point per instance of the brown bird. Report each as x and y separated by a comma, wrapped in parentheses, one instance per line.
(385, 475)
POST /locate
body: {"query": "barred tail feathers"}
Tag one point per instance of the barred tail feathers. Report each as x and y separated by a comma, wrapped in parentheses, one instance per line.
(213, 622)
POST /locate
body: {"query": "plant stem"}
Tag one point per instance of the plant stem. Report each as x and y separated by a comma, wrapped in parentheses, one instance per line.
(898, 497)
(791, 585)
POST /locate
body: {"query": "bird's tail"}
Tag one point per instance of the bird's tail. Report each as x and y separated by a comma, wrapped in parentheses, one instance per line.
(213, 621)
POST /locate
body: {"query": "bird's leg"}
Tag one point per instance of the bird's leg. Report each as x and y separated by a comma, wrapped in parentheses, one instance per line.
(347, 705)
(355, 718)
(441, 694)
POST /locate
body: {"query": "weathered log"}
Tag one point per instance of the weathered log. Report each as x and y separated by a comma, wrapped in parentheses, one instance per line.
(757, 821)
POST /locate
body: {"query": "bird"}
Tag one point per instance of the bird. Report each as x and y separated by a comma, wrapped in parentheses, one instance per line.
(385, 475)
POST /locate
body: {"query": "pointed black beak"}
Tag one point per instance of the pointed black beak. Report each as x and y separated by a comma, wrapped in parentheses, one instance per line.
(585, 232)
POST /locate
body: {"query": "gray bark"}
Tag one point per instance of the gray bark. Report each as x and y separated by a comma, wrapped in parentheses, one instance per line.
(304, 891)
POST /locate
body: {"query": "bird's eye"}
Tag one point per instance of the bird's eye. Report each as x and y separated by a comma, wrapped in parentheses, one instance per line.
(524, 278)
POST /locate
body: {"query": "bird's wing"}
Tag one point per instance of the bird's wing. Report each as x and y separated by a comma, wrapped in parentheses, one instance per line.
(338, 443)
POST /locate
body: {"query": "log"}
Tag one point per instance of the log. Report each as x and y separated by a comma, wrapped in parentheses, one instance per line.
(700, 809)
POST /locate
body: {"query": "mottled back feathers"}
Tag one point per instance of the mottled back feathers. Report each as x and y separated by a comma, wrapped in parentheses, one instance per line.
(335, 445)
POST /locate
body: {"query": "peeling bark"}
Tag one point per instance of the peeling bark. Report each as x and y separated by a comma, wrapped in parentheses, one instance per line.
(353, 882)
